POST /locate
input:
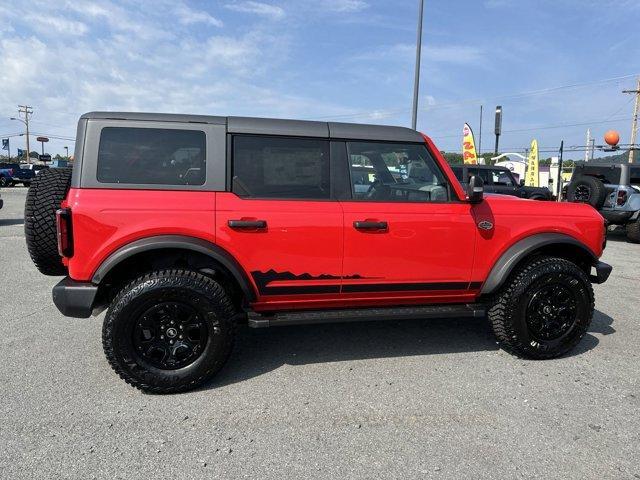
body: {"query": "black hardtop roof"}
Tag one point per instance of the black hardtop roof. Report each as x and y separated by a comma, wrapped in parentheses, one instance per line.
(482, 167)
(275, 126)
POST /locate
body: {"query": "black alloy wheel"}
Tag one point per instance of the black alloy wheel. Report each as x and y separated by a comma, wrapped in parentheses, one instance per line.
(552, 310)
(170, 335)
(583, 194)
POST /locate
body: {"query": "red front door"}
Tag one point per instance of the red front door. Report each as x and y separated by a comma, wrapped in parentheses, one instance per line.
(425, 254)
(407, 239)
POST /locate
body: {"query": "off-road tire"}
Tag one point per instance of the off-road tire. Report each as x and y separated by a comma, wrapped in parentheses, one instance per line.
(633, 231)
(507, 311)
(597, 191)
(44, 197)
(204, 294)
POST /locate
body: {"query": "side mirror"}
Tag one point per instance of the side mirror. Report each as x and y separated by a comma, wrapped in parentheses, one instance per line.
(522, 182)
(475, 189)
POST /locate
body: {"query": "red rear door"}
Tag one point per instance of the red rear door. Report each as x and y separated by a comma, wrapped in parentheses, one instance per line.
(279, 220)
(406, 240)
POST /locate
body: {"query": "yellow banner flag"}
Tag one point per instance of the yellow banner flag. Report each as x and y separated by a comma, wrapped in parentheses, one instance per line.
(469, 154)
(532, 177)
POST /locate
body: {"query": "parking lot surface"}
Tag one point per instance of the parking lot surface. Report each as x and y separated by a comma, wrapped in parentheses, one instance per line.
(412, 399)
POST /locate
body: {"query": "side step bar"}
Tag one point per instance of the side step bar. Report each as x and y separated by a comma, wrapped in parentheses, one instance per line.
(365, 314)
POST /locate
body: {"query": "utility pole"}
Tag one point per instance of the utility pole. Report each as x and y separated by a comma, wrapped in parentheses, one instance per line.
(416, 82)
(27, 110)
(480, 142)
(559, 179)
(634, 123)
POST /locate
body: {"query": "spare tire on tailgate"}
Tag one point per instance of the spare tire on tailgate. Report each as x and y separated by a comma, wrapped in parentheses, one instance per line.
(44, 197)
(587, 190)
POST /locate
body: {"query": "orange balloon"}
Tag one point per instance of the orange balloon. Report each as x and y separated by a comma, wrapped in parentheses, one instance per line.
(612, 137)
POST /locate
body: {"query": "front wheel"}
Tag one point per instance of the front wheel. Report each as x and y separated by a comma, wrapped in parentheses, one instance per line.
(169, 331)
(543, 310)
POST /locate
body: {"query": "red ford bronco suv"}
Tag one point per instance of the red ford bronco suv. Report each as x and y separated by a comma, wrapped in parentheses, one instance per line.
(184, 226)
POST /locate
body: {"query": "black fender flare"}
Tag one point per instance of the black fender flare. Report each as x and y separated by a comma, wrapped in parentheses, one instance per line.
(519, 250)
(178, 242)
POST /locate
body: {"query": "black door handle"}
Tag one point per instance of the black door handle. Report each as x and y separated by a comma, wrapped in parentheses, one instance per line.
(248, 224)
(369, 225)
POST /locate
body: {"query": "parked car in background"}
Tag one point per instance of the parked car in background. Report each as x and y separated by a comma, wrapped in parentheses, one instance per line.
(12, 173)
(500, 180)
(32, 166)
(614, 190)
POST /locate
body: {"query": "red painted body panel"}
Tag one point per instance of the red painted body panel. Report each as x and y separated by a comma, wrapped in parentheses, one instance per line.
(311, 256)
(515, 218)
(105, 220)
(301, 238)
(424, 243)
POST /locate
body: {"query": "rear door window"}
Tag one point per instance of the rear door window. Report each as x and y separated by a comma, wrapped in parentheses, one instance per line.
(280, 168)
(156, 156)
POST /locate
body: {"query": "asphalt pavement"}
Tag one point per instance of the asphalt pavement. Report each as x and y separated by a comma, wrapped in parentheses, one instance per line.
(412, 399)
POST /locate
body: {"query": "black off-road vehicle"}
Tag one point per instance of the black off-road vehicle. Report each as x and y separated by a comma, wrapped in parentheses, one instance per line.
(500, 180)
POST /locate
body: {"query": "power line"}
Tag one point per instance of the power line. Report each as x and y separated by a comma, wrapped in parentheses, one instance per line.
(380, 113)
(550, 127)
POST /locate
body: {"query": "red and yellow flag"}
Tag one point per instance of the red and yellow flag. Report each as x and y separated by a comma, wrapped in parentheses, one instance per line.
(469, 154)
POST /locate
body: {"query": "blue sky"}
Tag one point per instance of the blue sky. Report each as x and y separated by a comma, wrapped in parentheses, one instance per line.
(345, 60)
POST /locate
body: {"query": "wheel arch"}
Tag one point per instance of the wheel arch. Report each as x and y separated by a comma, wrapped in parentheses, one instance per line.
(146, 251)
(556, 244)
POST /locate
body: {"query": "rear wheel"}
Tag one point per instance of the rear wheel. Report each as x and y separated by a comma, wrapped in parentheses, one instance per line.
(544, 309)
(633, 231)
(44, 197)
(4, 182)
(169, 331)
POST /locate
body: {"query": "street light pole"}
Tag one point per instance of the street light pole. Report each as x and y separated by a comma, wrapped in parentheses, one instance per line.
(67, 149)
(416, 81)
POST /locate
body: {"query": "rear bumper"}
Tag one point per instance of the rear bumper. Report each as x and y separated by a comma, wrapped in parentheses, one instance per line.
(603, 271)
(616, 217)
(75, 299)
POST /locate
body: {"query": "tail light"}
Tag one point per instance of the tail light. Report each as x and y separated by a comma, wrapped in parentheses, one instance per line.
(11, 172)
(65, 236)
(621, 199)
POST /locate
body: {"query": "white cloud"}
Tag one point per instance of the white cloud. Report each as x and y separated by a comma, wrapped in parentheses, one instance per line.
(47, 24)
(189, 16)
(343, 5)
(258, 8)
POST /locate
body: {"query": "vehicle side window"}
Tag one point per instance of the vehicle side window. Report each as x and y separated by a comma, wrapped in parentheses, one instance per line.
(484, 174)
(272, 167)
(156, 156)
(458, 173)
(634, 176)
(502, 178)
(394, 172)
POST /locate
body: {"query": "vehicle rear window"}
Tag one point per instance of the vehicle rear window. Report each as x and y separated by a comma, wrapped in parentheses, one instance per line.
(635, 176)
(271, 167)
(606, 174)
(156, 156)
